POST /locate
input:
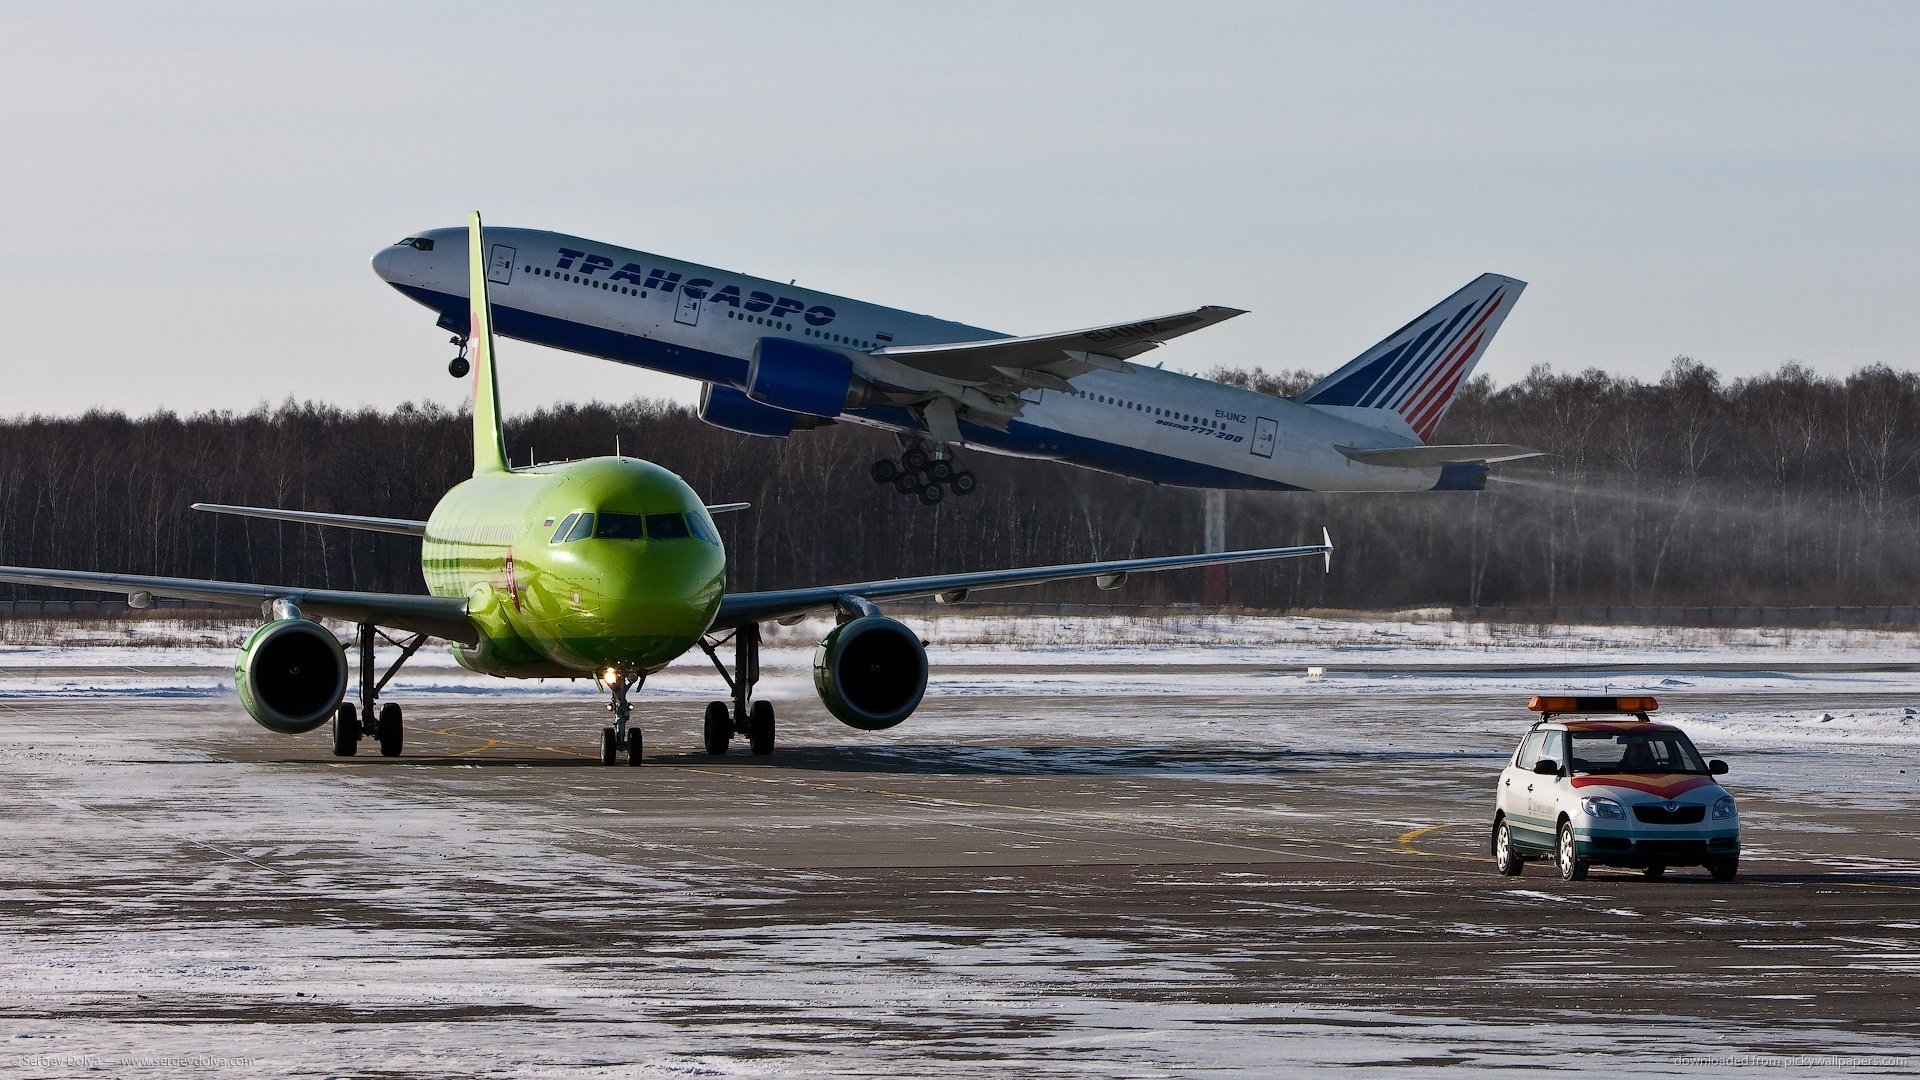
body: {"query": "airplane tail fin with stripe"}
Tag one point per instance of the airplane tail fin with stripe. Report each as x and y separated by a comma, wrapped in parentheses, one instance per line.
(489, 435)
(1414, 374)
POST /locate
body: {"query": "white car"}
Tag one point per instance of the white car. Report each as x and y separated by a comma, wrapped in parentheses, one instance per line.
(1596, 782)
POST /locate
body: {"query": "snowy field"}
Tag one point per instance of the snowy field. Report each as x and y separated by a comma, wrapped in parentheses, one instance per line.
(185, 894)
(1074, 656)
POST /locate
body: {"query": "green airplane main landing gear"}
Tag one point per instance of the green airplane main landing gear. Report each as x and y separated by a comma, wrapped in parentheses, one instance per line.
(742, 715)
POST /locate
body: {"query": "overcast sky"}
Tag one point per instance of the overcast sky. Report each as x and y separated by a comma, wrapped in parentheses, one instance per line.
(191, 192)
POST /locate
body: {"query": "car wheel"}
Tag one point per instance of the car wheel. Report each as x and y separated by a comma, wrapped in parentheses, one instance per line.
(1505, 859)
(1572, 867)
(1724, 869)
(1654, 872)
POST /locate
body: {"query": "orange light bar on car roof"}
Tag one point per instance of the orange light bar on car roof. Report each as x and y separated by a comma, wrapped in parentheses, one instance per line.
(1636, 705)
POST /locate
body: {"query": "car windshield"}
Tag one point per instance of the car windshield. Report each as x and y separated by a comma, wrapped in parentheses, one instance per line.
(1634, 752)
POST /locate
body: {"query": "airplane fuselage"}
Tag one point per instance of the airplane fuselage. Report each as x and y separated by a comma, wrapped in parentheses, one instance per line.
(703, 323)
(632, 589)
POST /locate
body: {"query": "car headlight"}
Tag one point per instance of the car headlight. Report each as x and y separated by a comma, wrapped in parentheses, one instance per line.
(1596, 807)
(1724, 808)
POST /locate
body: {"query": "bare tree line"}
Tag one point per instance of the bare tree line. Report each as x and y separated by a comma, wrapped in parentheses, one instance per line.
(1787, 488)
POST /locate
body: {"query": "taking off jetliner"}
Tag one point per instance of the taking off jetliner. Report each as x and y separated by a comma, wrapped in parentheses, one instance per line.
(607, 568)
(777, 358)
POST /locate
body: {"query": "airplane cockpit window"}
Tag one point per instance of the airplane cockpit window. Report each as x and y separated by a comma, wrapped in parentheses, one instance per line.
(418, 243)
(621, 527)
(666, 526)
(582, 529)
(561, 534)
(703, 528)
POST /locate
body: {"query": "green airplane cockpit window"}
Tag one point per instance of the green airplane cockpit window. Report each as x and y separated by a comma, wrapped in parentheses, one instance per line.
(703, 528)
(611, 526)
(621, 527)
(667, 526)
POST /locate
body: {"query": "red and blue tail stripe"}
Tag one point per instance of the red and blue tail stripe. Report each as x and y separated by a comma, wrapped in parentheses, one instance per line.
(1417, 371)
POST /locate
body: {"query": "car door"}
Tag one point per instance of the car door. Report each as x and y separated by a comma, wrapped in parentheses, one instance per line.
(1543, 794)
(1516, 776)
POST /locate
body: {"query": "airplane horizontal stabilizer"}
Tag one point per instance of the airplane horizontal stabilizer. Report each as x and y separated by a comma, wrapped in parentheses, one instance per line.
(402, 526)
(1433, 457)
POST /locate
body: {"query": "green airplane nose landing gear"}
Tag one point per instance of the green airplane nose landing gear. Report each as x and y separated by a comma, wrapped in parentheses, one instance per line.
(619, 736)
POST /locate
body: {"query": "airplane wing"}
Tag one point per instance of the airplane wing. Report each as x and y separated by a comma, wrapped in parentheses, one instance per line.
(1046, 361)
(403, 526)
(436, 616)
(738, 609)
(1429, 457)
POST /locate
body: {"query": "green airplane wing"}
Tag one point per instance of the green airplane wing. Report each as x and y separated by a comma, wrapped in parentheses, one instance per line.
(436, 616)
(739, 609)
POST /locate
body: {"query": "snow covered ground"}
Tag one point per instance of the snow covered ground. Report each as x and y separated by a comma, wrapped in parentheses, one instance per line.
(1070, 655)
(170, 910)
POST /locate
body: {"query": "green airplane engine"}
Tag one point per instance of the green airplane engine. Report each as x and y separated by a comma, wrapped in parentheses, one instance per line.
(870, 672)
(291, 675)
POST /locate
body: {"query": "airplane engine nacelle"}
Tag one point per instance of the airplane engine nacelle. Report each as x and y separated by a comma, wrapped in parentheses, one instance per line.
(799, 378)
(292, 675)
(730, 410)
(871, 672)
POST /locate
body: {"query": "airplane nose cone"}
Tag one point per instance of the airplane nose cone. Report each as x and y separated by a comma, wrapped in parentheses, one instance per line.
(383, 264)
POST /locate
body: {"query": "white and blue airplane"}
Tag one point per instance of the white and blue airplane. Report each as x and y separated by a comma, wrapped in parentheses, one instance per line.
(776, 358)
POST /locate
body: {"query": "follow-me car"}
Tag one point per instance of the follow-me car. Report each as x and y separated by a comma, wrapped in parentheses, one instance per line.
(1597, 782)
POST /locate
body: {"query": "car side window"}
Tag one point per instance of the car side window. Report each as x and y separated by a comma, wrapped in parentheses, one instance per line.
(1529, 751)
(1553, 745)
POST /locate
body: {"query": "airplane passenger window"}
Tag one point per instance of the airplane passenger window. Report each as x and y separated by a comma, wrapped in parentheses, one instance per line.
(566, 526)
(666, 526)
(620, 527)
(582, 529)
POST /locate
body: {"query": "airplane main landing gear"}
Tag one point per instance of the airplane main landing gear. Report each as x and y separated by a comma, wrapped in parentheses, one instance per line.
(458, 366)
(385, 724)
(619, 736)
(742, 715)
(924, 475)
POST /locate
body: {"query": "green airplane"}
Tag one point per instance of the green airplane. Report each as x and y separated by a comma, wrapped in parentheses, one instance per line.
(608, 568)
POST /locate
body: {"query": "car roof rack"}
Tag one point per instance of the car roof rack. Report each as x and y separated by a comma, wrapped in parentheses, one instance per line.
(1551, 706)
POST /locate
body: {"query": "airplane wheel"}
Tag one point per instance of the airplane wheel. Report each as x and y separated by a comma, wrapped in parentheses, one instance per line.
(931, 494)
(939, 471)
(908, 483)
(963, 483)
(609, 746)
(719, 725)
(390, 730)
(886, 471)
(915, 459)
(633, 746)
(760, 727)
(346, 730)
(458, 367)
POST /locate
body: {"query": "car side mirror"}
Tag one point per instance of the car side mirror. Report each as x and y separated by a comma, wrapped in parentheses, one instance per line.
(1716, 766)
(1546, 766)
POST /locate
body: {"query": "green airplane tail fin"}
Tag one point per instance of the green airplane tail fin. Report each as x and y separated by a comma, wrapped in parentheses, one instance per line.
(489, 437)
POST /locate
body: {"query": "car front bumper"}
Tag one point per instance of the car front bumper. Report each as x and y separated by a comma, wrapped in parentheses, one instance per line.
(1677, 848)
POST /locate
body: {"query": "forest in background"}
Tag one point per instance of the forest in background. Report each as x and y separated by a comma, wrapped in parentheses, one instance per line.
(1786, 488)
